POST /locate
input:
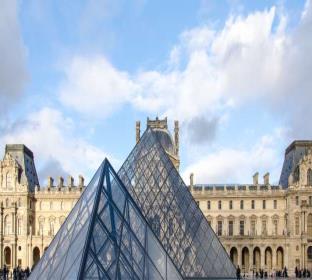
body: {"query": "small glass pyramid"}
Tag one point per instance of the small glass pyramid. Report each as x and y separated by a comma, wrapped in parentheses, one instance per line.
(172, 213)
(105, 236)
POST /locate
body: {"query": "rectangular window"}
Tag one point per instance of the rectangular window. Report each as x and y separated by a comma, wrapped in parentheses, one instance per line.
(252, 204)
(297, 200)
(241, 227)
(297, 226)
(275, 204)
(263, 204)
(230, 204)
(264, 226)
(219, 204)
(310, 200)
(230, 228)
(219, 230)
(275, 222)
(253, 227)
(242, 204)
(208, 204)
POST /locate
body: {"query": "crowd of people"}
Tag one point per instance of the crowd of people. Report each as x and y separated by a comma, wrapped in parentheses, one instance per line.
(302, 273)
(277, 274)
(16, 274)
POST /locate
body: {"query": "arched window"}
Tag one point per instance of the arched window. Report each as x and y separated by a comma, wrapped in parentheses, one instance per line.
(8, 180)
(7, 256)
(40, 227)
(7, 225)
(309, 177)
(52, 227)
(36, 255)
(310, 253)
(296, 174)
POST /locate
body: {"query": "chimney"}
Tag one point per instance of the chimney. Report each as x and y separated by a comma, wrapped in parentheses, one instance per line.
(255, 178)
(61, 182)
(137, 131)
(81, 182)
(70, 182)
(266, 178)
(191, 180)
(176, 136)
(50, 182)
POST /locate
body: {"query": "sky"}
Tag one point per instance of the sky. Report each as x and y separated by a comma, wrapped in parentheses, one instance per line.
(75, 76)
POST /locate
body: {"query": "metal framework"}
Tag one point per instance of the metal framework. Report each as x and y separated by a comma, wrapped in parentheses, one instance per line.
(172, 213)
(105, 236)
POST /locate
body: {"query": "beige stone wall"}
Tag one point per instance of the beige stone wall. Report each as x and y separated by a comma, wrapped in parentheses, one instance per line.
(29, 220)
(275, 236)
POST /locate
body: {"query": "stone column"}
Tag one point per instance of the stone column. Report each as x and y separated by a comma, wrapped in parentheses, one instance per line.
(251, 265)
(262, 253)
(30, 256)
(274, 258)
(239, 256)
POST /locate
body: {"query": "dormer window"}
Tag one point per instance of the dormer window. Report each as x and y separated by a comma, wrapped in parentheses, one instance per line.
(8, 180)
(296, 174)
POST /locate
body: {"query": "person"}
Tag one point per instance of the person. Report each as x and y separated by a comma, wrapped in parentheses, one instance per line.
(14, 273)
(27, 272)
(296, 271)
(5, 272)
(238, 273)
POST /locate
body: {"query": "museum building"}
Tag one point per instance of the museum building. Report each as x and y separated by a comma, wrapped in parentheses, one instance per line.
(260, 225)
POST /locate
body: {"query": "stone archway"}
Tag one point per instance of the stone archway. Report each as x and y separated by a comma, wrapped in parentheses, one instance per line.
(36, 255)
(257, 259)
(7, 256)
(279, 258)
(245, 259)
(268, 258)
(234, 256)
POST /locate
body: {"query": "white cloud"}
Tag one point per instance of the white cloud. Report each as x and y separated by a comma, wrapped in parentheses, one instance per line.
(94, 87)
(13, 72)
(208, 72)
(235, 165)
(53, 139)
(253, 59)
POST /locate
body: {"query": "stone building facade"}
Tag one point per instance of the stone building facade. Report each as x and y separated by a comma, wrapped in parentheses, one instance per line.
(260, 225)
(30, 216)
(265, 226)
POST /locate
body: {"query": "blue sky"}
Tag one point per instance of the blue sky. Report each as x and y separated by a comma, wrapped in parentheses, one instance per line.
(76, 75)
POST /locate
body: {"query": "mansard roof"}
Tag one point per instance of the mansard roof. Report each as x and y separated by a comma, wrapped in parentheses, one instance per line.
(25, 158)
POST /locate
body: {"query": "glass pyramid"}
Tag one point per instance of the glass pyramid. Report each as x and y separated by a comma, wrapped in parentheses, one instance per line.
(105, 237)
(172, 213)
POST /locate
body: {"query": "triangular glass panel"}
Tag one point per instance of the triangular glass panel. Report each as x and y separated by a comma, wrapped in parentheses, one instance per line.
(109, 239)
(172, 213)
